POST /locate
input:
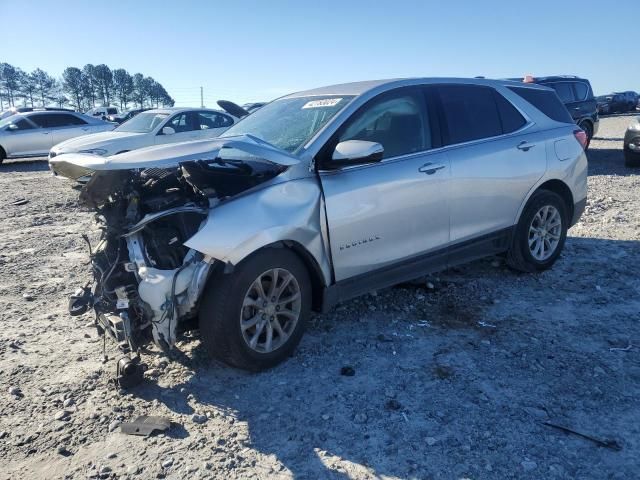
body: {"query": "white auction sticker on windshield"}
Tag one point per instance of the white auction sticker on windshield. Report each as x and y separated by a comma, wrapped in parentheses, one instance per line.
(327, 102)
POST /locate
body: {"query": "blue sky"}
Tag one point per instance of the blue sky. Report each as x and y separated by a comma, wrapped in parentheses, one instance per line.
(258, 50)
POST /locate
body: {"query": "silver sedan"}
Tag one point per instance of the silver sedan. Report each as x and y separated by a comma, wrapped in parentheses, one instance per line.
(32, 134)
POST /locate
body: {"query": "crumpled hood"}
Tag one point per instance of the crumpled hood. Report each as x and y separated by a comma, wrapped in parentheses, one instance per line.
(93, 140)
(77, 165)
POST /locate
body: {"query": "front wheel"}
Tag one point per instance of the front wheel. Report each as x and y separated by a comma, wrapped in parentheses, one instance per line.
(540, 234)
(254, 317)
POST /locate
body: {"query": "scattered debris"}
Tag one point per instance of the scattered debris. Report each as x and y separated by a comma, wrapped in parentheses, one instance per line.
(145, 425)
(611, 444)
(485, 324)
(20, 201)
(618, 349)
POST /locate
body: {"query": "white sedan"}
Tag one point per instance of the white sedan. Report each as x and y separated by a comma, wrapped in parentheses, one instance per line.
(153, 127)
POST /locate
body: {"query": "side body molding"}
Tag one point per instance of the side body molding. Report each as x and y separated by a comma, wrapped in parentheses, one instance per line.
(289, 211)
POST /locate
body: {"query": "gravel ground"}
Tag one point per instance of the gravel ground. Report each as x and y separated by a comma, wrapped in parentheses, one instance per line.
(451, 379)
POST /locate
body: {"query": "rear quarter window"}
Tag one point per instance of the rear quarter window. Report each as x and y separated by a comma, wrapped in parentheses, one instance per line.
(546, 101)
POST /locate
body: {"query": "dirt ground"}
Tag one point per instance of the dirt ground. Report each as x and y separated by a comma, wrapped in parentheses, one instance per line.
(450, 382)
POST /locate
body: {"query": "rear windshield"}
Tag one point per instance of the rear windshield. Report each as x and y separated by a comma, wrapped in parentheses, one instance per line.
(546, 101)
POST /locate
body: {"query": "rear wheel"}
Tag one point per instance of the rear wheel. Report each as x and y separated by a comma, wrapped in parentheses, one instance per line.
(3, 155)
(254, 317)
(588, 129)
(540, 233)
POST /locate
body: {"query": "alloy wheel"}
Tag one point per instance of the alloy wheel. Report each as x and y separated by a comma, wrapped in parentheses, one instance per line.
(544, 232)
(270, 310)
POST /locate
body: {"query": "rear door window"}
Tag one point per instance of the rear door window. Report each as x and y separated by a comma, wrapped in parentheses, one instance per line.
(546, 101)
(470, 113)
(581, 90)
(564, 91)
(207, 120)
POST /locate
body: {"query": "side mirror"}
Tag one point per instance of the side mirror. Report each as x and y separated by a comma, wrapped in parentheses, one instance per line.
(168, 131)
(355, 152)
(13, 127)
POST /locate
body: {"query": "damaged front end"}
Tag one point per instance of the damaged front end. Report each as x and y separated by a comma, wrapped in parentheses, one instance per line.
(146, 281)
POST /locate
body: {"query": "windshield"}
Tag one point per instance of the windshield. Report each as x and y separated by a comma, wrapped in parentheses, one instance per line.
(289, 123)
(12, 119)
(143, 122)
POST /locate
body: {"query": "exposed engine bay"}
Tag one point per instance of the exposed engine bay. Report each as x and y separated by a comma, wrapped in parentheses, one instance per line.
(146, 280)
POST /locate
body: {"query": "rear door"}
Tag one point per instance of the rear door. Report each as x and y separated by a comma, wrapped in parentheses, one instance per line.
(567, 94)
(496, 158)
(380, 214)
(65, 126)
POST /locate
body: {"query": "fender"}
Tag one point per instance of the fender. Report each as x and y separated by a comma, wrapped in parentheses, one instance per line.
(289, 211)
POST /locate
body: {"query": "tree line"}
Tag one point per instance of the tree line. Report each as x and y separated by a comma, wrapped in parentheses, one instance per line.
(81, 89)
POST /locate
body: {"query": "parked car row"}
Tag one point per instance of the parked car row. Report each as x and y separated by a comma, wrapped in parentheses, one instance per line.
(317, 197)
(33, 133)
(149, 128)
(618, 103)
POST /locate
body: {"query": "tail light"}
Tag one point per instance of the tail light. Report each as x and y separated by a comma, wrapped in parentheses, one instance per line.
(581, 137)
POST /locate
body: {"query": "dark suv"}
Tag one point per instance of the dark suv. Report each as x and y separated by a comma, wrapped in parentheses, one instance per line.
(577, 96)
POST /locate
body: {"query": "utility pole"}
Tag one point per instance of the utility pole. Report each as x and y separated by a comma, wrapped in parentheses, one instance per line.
(201, 98)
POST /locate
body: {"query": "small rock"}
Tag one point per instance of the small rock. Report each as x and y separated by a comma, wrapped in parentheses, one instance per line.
(529, 465)
(61, 415)
(104, 470)
(207, 465)
(430, 286)
(68, 402)
(111, 455)
(113, 425)
(360, 417)
(62, 450)
(133, 470)
(167, 463)
(392, 404)
(27, 296)
(347, 371)
(326, 417)
(431, 441)
(197, 418)
(15, 391)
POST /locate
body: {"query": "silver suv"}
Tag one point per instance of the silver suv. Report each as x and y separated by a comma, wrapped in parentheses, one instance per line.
(321, 196)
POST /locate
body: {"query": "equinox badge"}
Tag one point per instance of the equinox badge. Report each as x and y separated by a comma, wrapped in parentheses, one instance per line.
(360, 242)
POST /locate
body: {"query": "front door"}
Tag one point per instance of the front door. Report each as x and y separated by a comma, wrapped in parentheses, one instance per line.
(379, 214)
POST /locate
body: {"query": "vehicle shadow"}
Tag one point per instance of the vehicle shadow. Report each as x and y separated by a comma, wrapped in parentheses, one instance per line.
(608, 161)
(416, 418)
(39, 164)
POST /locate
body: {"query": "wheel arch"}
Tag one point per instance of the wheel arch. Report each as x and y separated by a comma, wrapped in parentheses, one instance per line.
(557, 186)
(313, 268)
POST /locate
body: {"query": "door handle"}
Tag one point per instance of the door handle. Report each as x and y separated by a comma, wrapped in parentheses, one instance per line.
(429, 168)
(525, 146)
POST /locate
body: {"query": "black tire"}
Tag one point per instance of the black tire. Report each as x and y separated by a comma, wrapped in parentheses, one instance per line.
(519, 255)
(220, 311)
(588, 129)
(631, 160)
(3, 155)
